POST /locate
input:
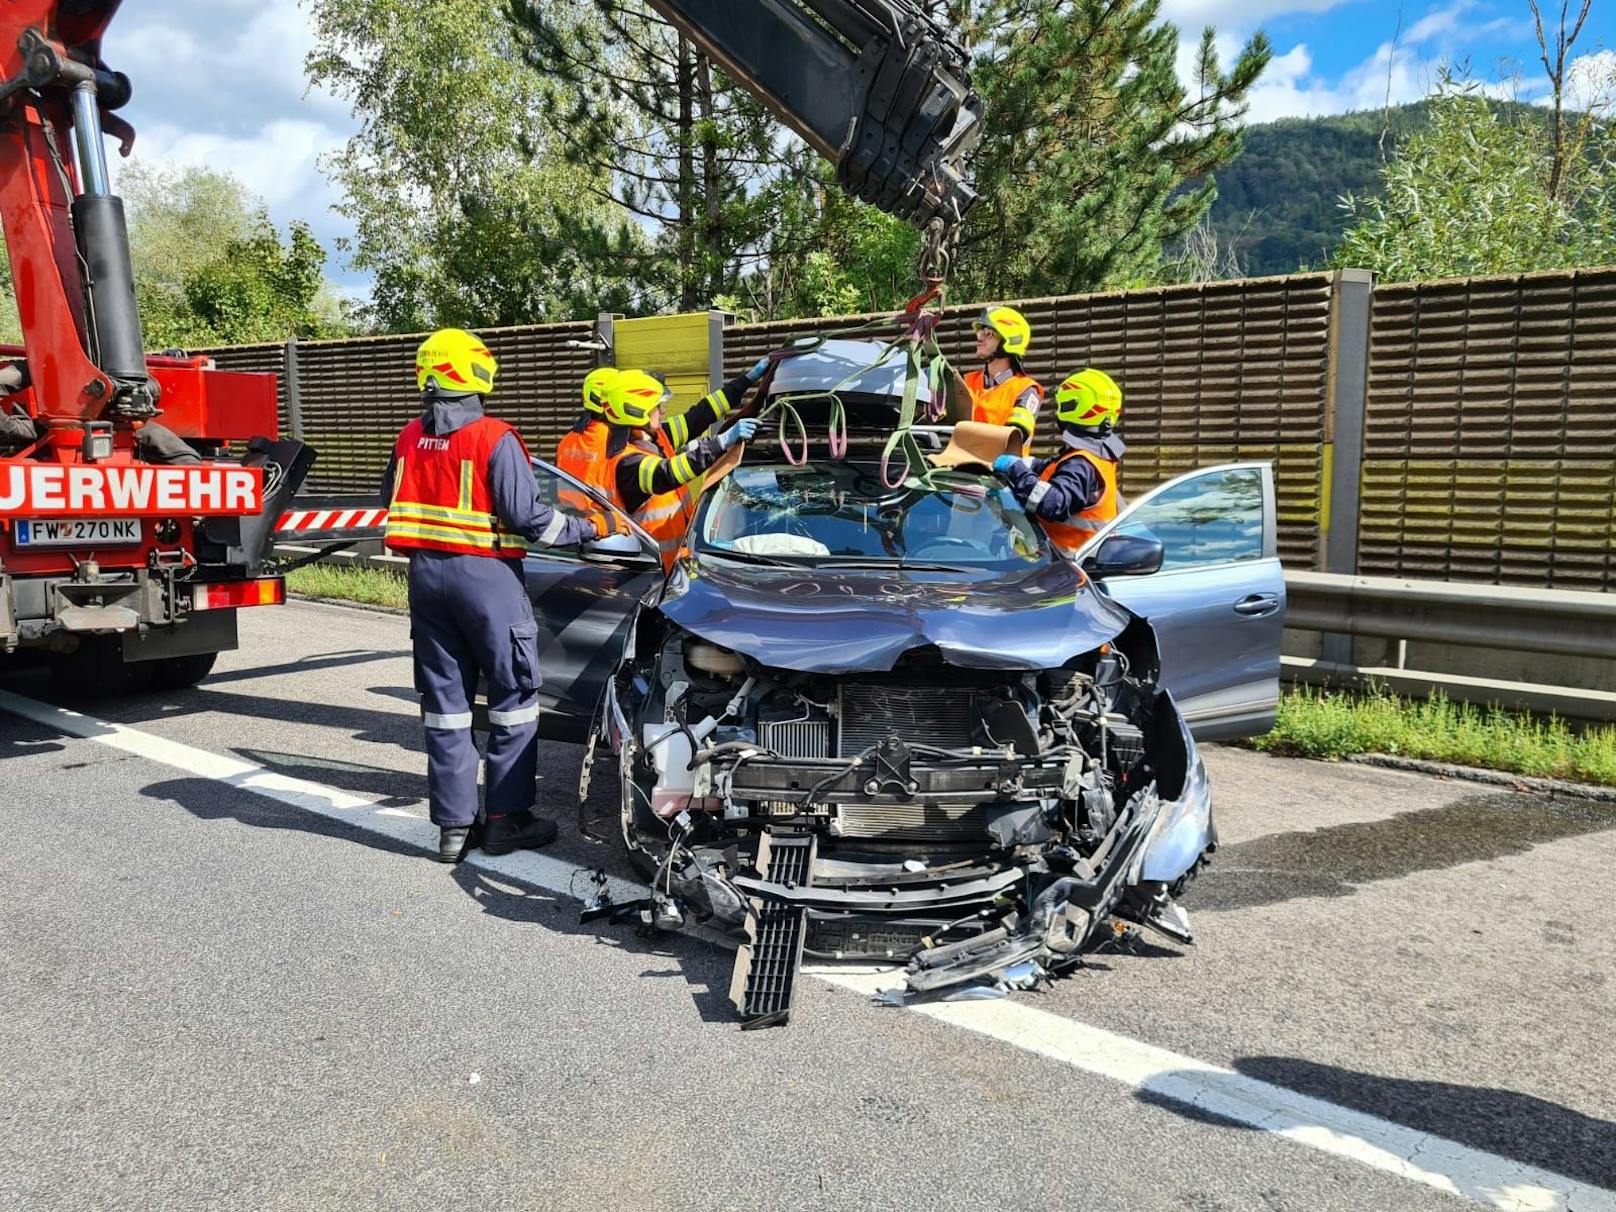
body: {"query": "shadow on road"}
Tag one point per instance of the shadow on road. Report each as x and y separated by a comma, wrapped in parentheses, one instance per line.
(324, 660)
(1522, 1127)
(704, 965)
(210, 800)
(1337, 859)
(399, 787)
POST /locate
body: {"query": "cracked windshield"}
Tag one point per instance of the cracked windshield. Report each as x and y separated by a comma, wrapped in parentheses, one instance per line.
(842, 512)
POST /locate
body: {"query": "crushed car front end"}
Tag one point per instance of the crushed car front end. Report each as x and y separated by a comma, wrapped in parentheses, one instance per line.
(923, 774)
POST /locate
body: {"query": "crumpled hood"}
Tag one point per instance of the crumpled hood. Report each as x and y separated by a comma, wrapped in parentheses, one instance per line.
(863, 621)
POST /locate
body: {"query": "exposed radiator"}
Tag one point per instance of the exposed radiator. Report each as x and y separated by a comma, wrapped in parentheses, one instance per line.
(932, 715)
(796, 738)
(935, 823)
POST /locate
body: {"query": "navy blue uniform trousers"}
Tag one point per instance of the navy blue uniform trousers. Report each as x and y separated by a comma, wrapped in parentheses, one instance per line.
(470, 615)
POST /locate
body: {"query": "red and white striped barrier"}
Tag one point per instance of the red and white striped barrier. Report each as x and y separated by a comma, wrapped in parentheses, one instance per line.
(302, 520)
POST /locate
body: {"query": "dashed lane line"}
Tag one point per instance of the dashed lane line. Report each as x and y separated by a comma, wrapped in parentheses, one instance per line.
(1431, 1161)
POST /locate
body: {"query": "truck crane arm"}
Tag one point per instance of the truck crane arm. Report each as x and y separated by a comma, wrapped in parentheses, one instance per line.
(875, 86)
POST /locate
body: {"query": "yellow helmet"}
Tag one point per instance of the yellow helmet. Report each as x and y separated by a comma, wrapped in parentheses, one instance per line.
(595, 384)
(1089, 398)
(455, 360)
(1015, 334)
(632, 396)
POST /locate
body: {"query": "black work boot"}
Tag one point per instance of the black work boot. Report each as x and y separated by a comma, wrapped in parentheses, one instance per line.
(454, 844)
(518, 831)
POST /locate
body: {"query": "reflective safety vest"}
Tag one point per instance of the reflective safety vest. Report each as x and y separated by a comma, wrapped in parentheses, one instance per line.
(581, 453)
(442, 500)
(1081, 527)
(665, 516)
(997, 405)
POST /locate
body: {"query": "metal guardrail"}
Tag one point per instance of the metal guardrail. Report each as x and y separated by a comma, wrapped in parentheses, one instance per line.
(1560, 621)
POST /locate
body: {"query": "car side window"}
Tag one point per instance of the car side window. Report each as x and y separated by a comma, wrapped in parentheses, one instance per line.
(1215, 518)
(561, 493)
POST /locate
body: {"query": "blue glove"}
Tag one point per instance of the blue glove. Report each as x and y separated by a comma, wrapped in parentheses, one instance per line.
(1004, 463)
(759, 369)
(739, 432)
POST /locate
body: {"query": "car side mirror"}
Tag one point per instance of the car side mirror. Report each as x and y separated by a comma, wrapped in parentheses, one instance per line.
(1125, 555)
(621, 549)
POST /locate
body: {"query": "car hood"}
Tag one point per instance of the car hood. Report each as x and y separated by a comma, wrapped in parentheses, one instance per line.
(863, 621)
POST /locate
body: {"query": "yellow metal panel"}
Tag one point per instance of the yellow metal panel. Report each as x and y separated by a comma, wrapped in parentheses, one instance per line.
(677, 347)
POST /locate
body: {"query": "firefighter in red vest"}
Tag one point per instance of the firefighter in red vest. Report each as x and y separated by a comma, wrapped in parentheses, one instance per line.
(1001, 392)
(650, 464)
(464, 507)
(1075, 493)
(581, 453)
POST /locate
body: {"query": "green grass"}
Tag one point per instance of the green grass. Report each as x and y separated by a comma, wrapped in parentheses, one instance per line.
(1332, 725)
(368, 586)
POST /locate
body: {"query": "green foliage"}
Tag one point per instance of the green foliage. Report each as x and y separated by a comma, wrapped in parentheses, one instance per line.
(659, 132)
(1279, 201)
(211, 269)
(463, 205)
(1095, 155)
(347, 583)
(1479, 190)
(1332, 725)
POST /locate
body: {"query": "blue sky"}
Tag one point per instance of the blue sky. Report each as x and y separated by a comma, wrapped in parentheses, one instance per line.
(219, 82)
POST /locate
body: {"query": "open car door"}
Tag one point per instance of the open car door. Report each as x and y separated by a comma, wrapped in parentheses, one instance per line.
(585, 600)
(1217, 601)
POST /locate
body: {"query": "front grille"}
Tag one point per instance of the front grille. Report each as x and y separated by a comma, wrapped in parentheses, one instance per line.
(914, 822)
(931, 715)
(796, 738)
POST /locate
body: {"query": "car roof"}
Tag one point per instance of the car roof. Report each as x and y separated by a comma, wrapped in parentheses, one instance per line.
(845, 365)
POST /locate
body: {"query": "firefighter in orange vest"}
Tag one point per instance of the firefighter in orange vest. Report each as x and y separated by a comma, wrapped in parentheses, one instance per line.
(1074, 494)
(581, 453)
(650, 464)
(1001, 392)
(464, 506)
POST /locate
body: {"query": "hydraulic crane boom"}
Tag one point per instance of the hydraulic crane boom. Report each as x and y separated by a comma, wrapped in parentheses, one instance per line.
(875, 86)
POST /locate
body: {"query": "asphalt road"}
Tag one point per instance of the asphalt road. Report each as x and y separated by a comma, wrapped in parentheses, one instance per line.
(210, 998)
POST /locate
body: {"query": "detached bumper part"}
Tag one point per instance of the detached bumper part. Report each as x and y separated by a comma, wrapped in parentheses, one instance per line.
(764, 982)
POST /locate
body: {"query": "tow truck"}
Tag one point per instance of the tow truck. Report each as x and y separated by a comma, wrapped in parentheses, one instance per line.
(140, 493)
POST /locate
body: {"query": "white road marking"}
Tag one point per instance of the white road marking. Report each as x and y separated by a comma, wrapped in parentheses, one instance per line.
(1419, 1157)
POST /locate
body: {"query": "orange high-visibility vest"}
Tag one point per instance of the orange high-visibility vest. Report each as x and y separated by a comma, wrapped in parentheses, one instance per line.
(1081, 527)
(442, 500)
(997, 405)
(665, 516)
(581, 453)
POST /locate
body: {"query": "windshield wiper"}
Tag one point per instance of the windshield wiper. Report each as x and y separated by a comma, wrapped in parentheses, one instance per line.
(749, 557)
(895, 565)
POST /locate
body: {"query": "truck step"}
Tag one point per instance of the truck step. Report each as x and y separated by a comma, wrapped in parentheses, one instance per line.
(765, 978)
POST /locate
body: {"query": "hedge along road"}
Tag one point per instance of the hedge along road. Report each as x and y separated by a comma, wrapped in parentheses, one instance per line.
(231, 974)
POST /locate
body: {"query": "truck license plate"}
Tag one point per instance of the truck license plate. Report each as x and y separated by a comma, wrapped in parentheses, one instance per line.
(78, 532)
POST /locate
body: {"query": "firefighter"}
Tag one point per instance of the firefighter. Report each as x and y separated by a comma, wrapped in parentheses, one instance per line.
(1001, 392)
(1074, 494)
(650, 464)
(581, 453)
(463, 507)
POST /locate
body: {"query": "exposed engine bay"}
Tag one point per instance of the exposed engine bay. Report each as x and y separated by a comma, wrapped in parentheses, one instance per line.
(978, 825)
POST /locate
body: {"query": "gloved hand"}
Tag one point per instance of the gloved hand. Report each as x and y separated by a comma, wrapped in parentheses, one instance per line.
(1004, 463)
(741, 431)
(605, 527)
(759, 369)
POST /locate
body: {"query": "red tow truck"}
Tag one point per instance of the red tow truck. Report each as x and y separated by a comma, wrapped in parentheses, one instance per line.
(138, 494)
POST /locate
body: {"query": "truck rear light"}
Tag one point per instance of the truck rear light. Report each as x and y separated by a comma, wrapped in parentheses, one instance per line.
(229, 595)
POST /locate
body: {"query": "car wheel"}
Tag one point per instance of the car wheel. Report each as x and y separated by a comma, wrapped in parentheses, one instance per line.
(179, 673)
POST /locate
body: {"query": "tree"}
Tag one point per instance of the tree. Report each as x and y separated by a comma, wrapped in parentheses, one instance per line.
(1095, 155)
(210, 267)
(659, 131)
(464, 209)
(1481, 190)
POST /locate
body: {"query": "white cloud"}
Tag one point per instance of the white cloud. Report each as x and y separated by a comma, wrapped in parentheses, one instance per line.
(1191, 16)
(220, 85)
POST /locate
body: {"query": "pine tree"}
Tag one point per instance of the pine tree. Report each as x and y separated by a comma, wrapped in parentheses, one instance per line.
(661, 132)
(1095, 154)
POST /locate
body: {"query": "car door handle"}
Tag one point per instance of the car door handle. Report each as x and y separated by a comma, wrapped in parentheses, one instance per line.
(1256, 605)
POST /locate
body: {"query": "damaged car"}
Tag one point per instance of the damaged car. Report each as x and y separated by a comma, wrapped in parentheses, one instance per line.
(867, 722)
